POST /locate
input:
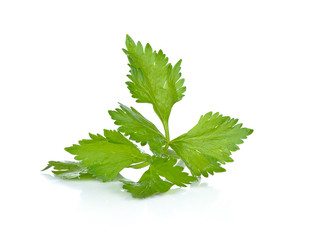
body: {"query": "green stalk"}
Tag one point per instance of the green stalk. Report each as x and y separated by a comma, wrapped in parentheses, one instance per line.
(166, 129)
(167, 135)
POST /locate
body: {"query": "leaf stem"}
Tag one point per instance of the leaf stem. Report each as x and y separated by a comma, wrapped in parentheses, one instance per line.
(166, 129)
(167, 135)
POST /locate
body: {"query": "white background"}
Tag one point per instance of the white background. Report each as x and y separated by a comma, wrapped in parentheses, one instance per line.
(264, 62)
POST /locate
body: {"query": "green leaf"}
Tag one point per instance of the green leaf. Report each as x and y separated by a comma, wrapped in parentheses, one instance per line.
(68, 169)
(133, 124)
(210, 143)
(151, 183)
(170, 153)
(166, 168)
(204, 149)
(153, 79)
(105, 157)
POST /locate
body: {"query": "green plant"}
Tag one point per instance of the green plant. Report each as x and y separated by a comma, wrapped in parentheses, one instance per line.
(203, 149)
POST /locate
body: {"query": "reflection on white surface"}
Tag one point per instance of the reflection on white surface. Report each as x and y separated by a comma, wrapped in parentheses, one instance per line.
(110, 202)
(107, 207)
(252, 206)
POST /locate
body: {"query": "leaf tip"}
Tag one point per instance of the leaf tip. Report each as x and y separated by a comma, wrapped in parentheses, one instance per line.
(250, 131)
(129, 41)
(47, 167)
